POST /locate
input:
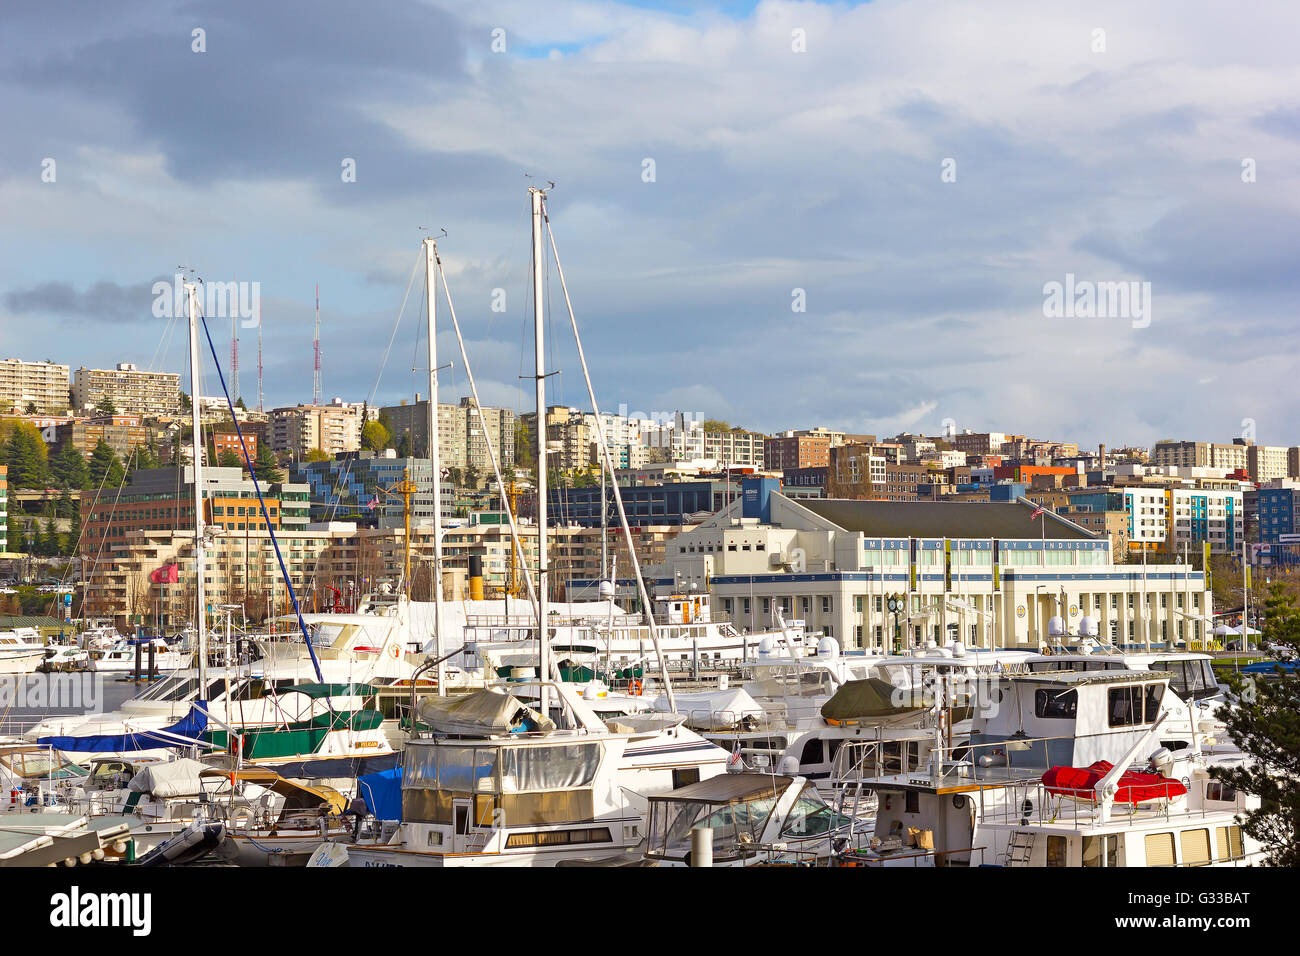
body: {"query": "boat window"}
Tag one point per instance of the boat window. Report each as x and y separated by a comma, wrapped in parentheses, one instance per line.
(1229, 842)
(686, 776)
(912, 802)
(558, 838)
(1056, 851)
(110, 775)
(1196, 847)
(549, 768)
(249, 690)
(1053, 704)
(159, 690)
(1160, 849)
(812, 752)
(1218, 790)
(37, 763)
(1100, 851)
(1126, 704)
(1153, 694)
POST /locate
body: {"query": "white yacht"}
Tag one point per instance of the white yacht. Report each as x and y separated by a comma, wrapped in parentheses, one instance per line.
(121, 656)
(503, 785)
(1047, 779)
(21, 651)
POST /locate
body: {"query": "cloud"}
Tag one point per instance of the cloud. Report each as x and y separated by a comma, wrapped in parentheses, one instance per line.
(774, 171)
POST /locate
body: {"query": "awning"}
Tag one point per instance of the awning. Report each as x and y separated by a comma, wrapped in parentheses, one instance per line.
(481, 714)
(383, 793)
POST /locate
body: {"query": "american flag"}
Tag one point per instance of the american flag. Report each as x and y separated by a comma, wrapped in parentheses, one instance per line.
(735, 764)
(1038, 512)
(374, 501)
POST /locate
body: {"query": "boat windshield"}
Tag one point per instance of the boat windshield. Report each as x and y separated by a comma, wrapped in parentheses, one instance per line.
(1193, 678)
(733, 825)
(183, 687)
(38, 763)
(477, 769)
(811, 816)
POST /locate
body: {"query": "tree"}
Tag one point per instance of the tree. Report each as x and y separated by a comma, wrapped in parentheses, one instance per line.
(105, 467)
(455, 476)
(186, 405)
(265, 466)
(316, 455)
(523, 448)
(144, 459)
(374, 436)
(404, 446)
(472, 477)
(30, 409)
(239, 403)
(27, 457)
(229, 459)
(105, 406)
(1265, 724)
(68, 466)
(388, 427)
(715, 425)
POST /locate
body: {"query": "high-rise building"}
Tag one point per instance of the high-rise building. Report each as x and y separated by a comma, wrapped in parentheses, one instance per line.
(461, 442)
(131, 391)
(794, 450)
(299, 429)
(43, 385)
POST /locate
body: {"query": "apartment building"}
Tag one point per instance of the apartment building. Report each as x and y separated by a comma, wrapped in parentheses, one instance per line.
(794, 450)
(735, 447)
(40, 384)
(461, 440)
(132, 391)
(344, 487)
(1267, 462)
(1200, 454)
(979, 443)
(123, 433)
(333, 429)
(1169, 519)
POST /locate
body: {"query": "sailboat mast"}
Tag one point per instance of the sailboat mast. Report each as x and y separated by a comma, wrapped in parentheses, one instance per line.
(435, 460)
(543, 576)
(197, 440)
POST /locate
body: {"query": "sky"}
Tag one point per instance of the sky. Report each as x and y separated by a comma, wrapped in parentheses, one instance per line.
(779, 214)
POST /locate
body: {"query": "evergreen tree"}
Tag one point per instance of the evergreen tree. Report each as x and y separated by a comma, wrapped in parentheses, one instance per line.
(65, 507)
(68, 467)
(404, 446)
(51, 536)
(105, 466)
(144, 459)
(27, 457)
(266, 467)
(229, 459)
(105, 406)
(1265, 724)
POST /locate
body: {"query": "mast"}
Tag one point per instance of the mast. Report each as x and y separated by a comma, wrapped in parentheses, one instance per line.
(435, 460)
(543, 577)
(197, 441)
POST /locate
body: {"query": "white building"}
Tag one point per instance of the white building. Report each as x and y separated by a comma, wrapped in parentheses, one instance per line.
(975, 570)
(1174, 517)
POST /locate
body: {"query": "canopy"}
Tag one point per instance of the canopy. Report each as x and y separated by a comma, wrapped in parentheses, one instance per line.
(481, 714)
(865, 699)
(382, 792)
(189, 728)
(296, 795)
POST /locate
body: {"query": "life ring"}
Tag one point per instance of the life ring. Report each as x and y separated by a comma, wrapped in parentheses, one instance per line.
(394, 651)
(242, 818)
(634, 688)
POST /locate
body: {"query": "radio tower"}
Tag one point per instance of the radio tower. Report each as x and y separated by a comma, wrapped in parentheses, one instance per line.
(234, 353)
(259, 356)
(315, 394)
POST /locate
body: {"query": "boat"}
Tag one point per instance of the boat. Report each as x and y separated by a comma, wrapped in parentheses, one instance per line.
(21, 651)
(270, 820)
(127, 655)
(1015, 793)
(516, 787)
(749, 819)
(193, 843)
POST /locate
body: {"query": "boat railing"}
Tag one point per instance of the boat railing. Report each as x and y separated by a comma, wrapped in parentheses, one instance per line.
(916, 857)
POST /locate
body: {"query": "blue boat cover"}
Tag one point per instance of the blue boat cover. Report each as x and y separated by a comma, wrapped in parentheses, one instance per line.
(1268, 667)
(190, 727)
(382, 792)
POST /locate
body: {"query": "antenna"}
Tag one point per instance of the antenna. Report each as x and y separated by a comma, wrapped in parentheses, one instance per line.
(316, 396)
(259, 356)
(234, 347)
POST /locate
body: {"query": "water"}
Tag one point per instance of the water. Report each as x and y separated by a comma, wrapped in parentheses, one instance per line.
(25, 700)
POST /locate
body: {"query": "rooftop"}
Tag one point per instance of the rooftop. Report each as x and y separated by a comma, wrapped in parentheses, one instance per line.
(942, 519)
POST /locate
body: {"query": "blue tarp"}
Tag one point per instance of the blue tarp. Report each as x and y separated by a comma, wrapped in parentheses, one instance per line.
(382, 792)
(1268, 667)
(191, 726)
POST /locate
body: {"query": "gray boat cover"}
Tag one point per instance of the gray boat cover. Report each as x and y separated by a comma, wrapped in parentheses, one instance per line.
(481, 714)
(176, 778)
